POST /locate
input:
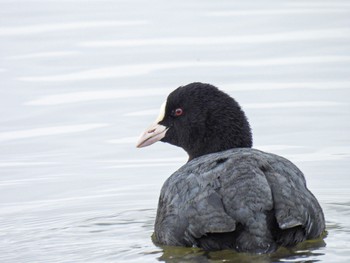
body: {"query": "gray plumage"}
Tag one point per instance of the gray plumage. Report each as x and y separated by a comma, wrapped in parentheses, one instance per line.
(242, 199)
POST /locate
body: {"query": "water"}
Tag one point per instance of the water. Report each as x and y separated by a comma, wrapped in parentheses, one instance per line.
(80, 80)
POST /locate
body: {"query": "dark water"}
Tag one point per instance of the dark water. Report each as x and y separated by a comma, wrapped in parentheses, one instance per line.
(81, 79)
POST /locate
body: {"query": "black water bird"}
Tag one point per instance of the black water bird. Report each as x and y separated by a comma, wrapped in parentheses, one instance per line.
(228, 195)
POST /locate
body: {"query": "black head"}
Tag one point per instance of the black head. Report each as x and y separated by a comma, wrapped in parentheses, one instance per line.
(201, 119)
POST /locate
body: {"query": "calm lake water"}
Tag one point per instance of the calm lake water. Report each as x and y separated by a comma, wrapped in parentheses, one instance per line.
(80, 80)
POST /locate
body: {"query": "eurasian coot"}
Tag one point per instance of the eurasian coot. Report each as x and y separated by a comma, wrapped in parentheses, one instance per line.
(228, 195)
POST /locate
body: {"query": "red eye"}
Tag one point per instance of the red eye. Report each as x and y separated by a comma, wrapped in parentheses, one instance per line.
(178, 112)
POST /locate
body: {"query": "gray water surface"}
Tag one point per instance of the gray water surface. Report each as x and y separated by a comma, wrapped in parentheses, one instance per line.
(80, 80)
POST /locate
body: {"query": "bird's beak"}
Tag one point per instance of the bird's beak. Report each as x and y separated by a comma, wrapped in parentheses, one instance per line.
(155, 132)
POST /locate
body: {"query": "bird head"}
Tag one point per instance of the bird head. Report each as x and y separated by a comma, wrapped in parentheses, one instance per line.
(201, 119)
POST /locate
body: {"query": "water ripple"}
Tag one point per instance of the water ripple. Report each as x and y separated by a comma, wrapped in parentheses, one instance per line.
(144, 69)
(326, 154)
(47, 28)
(292, 104)
(292, 36)
(24, 164)
(82, 96)
(7, 183)
(318, 4)
(45, 131)
(278, 12)
(286, 85)
(154, 162)
(44, 55)
(125, 140)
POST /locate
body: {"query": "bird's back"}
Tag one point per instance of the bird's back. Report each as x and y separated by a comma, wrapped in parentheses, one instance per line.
(241, 199)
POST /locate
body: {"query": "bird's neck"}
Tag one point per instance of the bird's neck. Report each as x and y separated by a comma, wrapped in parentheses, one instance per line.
(218, 144)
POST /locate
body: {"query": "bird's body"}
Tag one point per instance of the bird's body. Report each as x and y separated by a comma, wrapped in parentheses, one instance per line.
(241, 199)
(228, 196)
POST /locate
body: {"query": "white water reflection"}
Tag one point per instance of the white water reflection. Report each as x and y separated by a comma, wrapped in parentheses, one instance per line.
(144, 69)
(292, 36)
(149, 160)
(286, 85)
(319, 4)
(154, 162)
(301, 154)
(144, 165)
(278, 12)
(86, 96)
(326, 154)
(25, 164)
(143, 113)
(6, 183)
(49, 28)
(278, 147)
(125, 140)
(292, 104)
(94, 95)
(40, 55)
(46, 131)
